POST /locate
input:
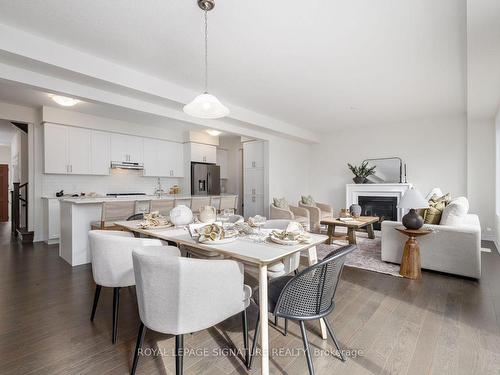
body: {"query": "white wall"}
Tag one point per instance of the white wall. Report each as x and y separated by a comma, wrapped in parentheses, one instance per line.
(4, 154)
(480, 173)
(497, 180)
(289, 173)
(434, 151)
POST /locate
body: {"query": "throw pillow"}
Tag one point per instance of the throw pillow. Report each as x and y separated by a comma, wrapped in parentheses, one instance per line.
(281, 203)
(432, 215)
(454, 213)
(308, 201)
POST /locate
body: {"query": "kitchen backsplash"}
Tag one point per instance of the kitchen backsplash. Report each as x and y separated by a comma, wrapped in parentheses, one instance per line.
(119, 181)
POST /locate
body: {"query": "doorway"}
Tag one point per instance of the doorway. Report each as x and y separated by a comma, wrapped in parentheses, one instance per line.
(4, 192)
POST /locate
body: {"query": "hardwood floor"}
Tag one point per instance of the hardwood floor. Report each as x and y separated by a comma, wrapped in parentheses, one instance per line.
(440, 325)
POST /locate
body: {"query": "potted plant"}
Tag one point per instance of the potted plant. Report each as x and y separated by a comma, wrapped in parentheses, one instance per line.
(361, 172)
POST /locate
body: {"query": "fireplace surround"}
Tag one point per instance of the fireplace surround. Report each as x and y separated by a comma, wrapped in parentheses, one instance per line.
(393, 190)
(383, 207)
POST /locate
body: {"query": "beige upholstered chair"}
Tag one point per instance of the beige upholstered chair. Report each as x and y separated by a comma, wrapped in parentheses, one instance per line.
(114, 211)
(298, 214)
(228, 202)
(317, 213)
(198, 202)
(163, 206)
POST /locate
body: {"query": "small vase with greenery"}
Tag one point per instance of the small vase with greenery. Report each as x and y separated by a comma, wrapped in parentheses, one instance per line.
(361, 172)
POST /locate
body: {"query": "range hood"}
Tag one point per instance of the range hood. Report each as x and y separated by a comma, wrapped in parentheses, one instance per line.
(127, 165)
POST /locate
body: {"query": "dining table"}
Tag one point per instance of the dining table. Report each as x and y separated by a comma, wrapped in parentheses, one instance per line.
(260, 253)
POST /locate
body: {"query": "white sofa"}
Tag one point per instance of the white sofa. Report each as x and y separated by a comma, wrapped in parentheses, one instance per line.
(450, 249)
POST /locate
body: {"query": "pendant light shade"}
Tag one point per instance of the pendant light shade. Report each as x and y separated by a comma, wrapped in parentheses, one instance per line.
(206, 106)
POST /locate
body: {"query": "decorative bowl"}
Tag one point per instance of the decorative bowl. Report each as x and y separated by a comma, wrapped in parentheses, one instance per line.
(181, 215)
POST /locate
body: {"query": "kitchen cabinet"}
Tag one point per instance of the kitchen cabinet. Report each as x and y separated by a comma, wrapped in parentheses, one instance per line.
(127, 148)
(163, 158)
(253, 182)
(253, 154)
(253, 178)
(202, 153)
(55, 148)
(222, 162)
(52, 220)
(66, 149)
(79, 141)
(72, 150)
(253, 205)
(100, 157)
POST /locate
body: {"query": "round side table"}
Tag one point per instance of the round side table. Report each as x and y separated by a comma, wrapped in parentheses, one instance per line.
(410, 262)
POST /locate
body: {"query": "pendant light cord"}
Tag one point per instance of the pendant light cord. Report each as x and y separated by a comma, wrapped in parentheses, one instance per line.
(206, 53)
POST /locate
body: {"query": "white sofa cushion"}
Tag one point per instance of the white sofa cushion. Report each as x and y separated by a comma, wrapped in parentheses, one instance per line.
(454, 213)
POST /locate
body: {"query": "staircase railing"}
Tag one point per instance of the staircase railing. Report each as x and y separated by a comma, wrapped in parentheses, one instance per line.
(19, 204)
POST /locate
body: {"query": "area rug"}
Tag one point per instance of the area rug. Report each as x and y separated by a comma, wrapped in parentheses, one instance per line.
(368, 256)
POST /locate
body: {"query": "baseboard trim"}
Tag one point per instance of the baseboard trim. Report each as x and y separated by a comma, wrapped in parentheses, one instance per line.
(489, 237)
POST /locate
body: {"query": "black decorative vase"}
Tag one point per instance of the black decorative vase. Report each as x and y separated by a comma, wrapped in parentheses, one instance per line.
(412, 220)
(359, 180)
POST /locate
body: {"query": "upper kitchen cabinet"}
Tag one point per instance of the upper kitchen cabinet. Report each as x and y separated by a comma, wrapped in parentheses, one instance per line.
(202, 153)
(222, 162)
(163, 158)
(67, 149)
(56, 148)
(100, 157)
(253, 154)
(127, 148)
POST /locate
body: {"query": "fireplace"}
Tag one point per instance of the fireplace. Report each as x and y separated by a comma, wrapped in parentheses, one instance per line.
(383, 207)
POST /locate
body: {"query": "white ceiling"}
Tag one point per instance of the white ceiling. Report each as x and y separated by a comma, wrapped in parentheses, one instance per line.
(315, 64)
(17, 94)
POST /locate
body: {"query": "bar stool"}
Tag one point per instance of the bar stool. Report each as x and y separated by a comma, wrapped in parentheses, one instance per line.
(163, 206)
(114, 211)
(228, 202)
(199, 202)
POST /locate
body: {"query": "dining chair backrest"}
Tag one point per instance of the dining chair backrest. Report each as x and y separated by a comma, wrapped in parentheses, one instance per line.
(197, 203)
(115, 211)
(179, 295)
(310, 294)
(228, 202)
(163, 206)
(139, 216)
(111, 256)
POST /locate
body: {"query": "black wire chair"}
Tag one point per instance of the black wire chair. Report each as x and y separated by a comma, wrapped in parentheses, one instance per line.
(136, 217)
(308, 295)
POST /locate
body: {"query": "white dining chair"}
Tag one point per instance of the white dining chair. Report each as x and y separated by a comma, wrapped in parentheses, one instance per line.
(196, 294)
(111, 257)
(289, 264)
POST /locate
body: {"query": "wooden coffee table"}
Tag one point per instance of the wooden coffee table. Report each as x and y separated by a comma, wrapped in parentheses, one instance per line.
(362, 222)
(410, 262)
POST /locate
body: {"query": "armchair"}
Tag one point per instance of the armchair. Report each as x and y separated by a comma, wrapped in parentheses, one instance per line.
(317, 213)
(298, 214)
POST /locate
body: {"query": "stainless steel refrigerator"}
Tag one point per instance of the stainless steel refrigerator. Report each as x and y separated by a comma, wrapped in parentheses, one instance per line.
(205, 179)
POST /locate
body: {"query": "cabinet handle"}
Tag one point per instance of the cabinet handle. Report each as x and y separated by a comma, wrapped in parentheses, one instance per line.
(253, 191)
(253, 164)
(253, 199)
(71, 168)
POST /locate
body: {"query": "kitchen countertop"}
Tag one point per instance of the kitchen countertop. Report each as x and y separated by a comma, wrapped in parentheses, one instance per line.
(88, 200)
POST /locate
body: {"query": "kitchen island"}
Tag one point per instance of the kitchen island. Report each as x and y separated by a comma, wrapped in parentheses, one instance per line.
(76, 214)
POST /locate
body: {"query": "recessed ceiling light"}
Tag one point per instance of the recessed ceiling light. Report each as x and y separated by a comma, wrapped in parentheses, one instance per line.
(64, 100)
(214, 133)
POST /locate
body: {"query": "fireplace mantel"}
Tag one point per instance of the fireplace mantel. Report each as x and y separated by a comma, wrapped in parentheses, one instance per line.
(353, 191)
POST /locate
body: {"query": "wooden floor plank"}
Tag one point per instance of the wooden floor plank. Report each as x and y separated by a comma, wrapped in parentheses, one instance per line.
(441, 324)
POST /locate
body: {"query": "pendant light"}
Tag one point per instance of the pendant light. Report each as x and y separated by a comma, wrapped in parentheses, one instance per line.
(206, 105)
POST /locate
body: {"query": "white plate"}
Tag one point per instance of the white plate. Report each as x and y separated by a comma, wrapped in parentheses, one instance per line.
(283, 242)
(220, 242)
(149, 227)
